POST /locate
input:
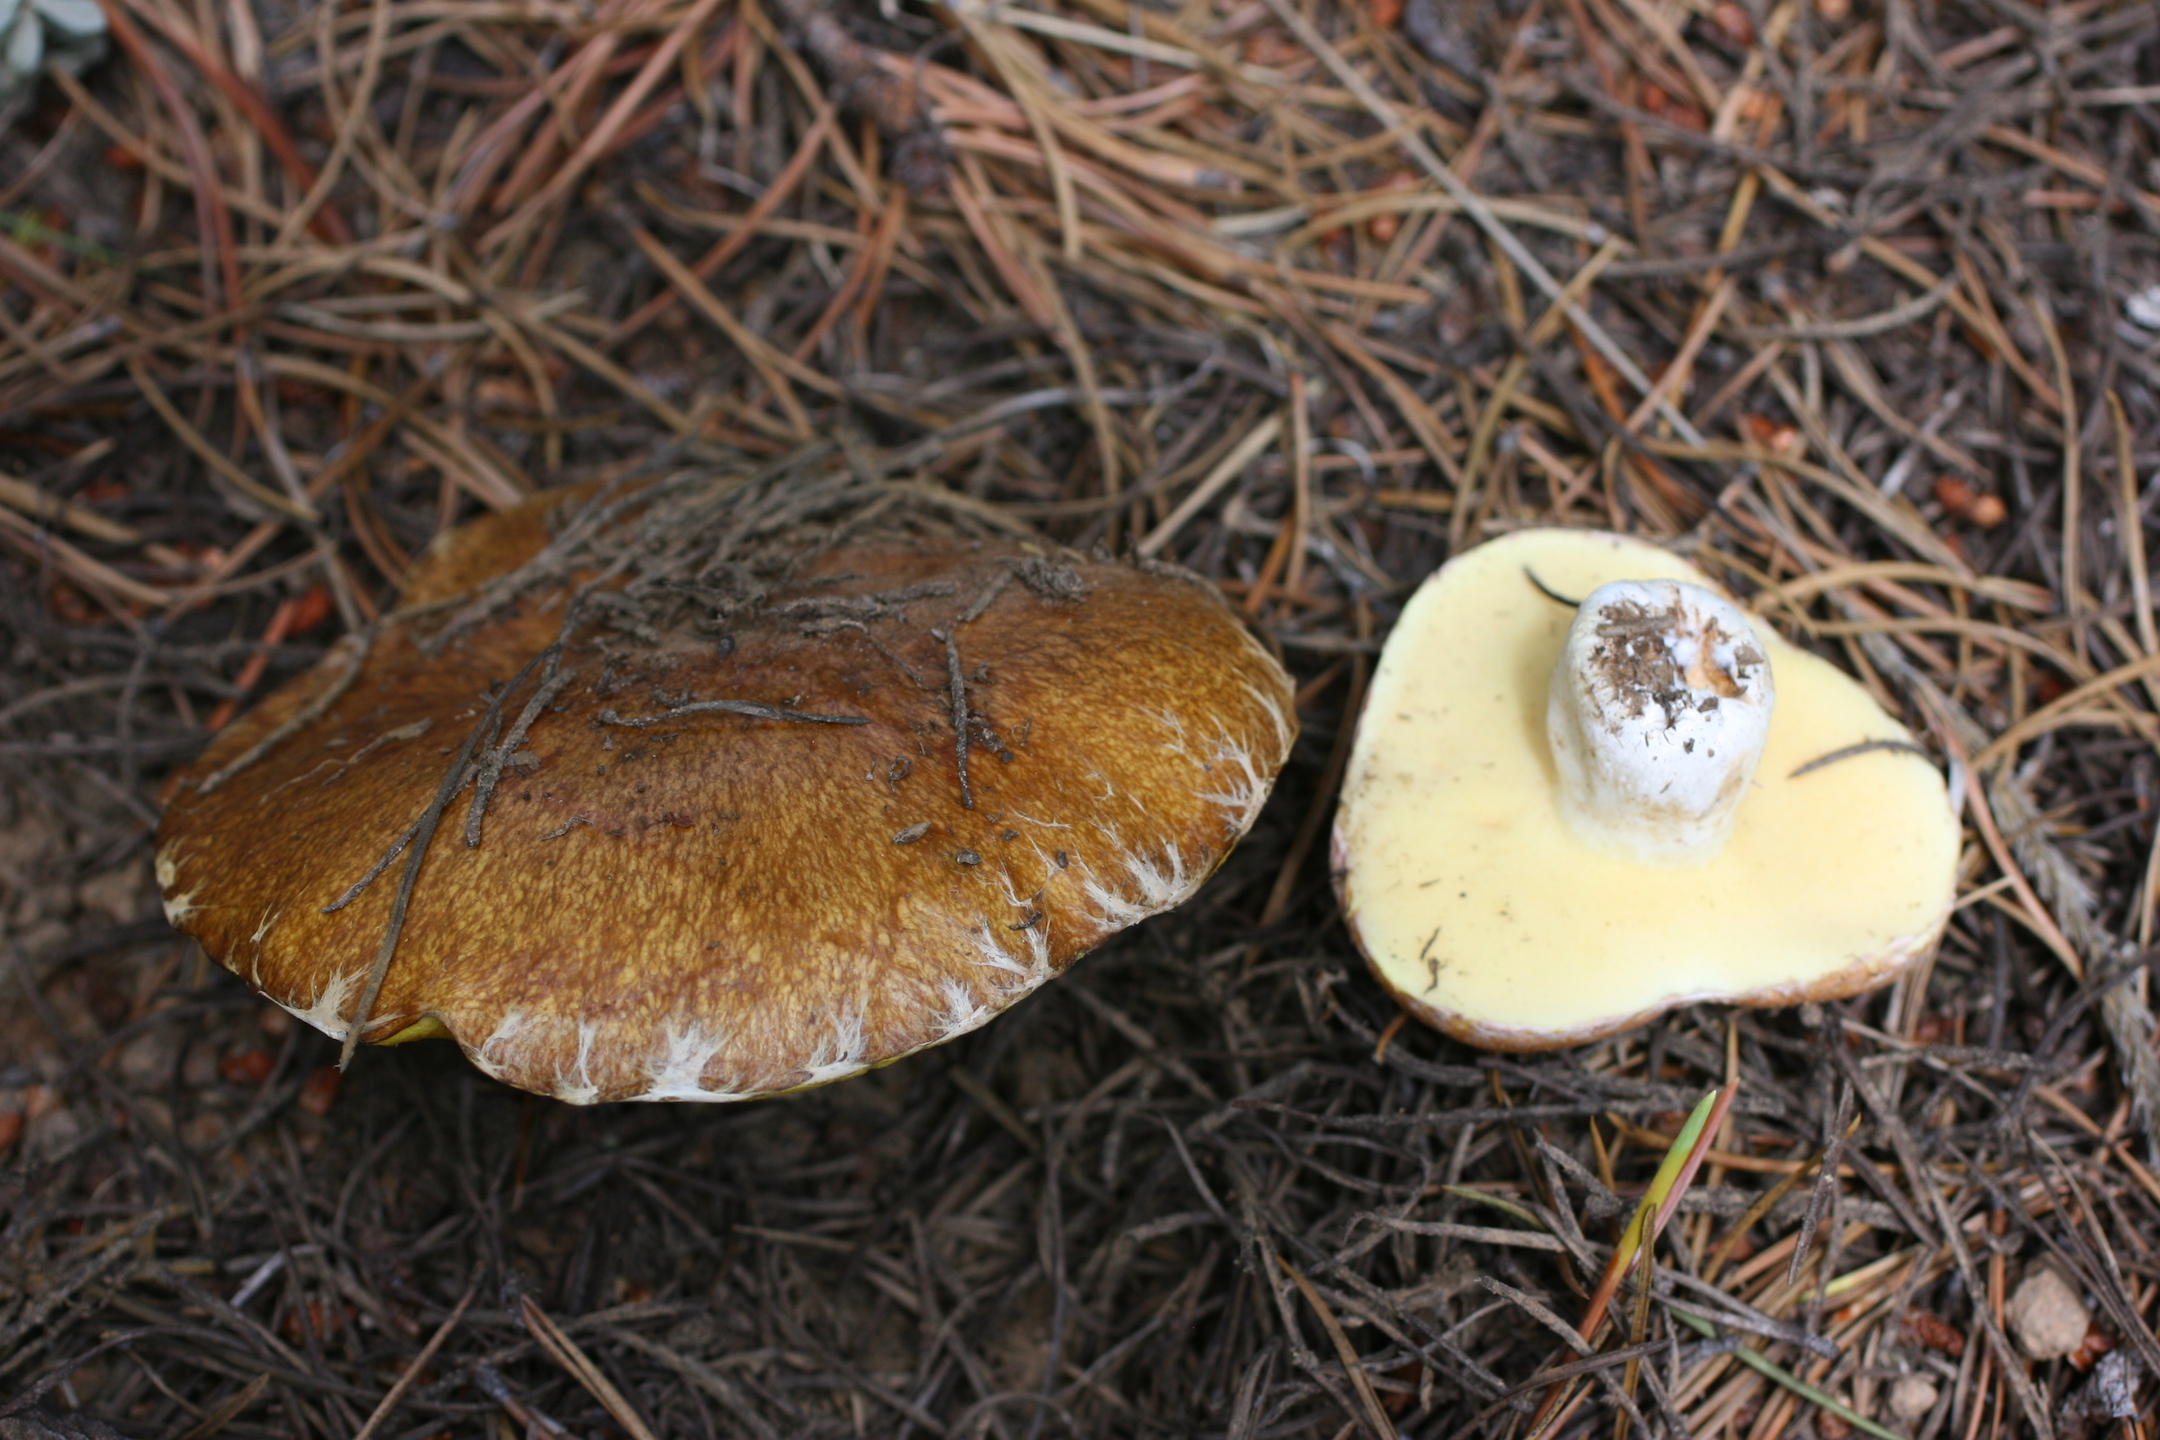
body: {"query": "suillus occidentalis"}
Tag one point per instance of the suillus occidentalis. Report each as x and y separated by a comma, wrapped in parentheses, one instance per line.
(720, 787)
(1586, 788)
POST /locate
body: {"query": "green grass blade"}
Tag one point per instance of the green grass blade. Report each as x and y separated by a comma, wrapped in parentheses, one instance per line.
(1755, 1360)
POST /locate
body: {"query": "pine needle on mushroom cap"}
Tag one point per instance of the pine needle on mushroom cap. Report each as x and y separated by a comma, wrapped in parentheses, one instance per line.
(731, 787)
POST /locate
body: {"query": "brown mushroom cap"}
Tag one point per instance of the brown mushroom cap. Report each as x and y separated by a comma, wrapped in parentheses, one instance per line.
(676, 902)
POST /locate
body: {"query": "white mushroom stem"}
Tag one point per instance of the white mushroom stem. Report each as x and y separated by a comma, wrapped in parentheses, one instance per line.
(1659, 710)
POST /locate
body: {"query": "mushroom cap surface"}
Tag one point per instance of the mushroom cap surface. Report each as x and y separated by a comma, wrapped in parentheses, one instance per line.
(1487, 919)
(714, 905)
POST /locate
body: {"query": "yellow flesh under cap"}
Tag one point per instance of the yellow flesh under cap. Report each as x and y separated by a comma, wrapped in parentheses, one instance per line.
(1486, 917)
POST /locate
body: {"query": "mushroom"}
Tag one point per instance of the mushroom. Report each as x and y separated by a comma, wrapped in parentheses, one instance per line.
(1586, 789)
(722, 789)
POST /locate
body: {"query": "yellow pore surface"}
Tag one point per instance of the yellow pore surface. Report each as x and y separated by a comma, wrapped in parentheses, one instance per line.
(1483, 913)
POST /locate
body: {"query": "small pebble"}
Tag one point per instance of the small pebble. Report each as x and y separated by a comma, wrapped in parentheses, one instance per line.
(1911, 1397)
(2047, 1314)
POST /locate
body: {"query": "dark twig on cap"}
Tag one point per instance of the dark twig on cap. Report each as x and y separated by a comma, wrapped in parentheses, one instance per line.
(831, 627)
(424, 833)
(1049, 579)
(552, 680)
(731, 707)
(338, 769)
(987, 598)
(374, 872)
(873, 606)
(305, 716)
(959, 714)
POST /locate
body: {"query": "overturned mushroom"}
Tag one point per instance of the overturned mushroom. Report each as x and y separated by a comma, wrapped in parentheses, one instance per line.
(726, 788)
(1586, 789)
